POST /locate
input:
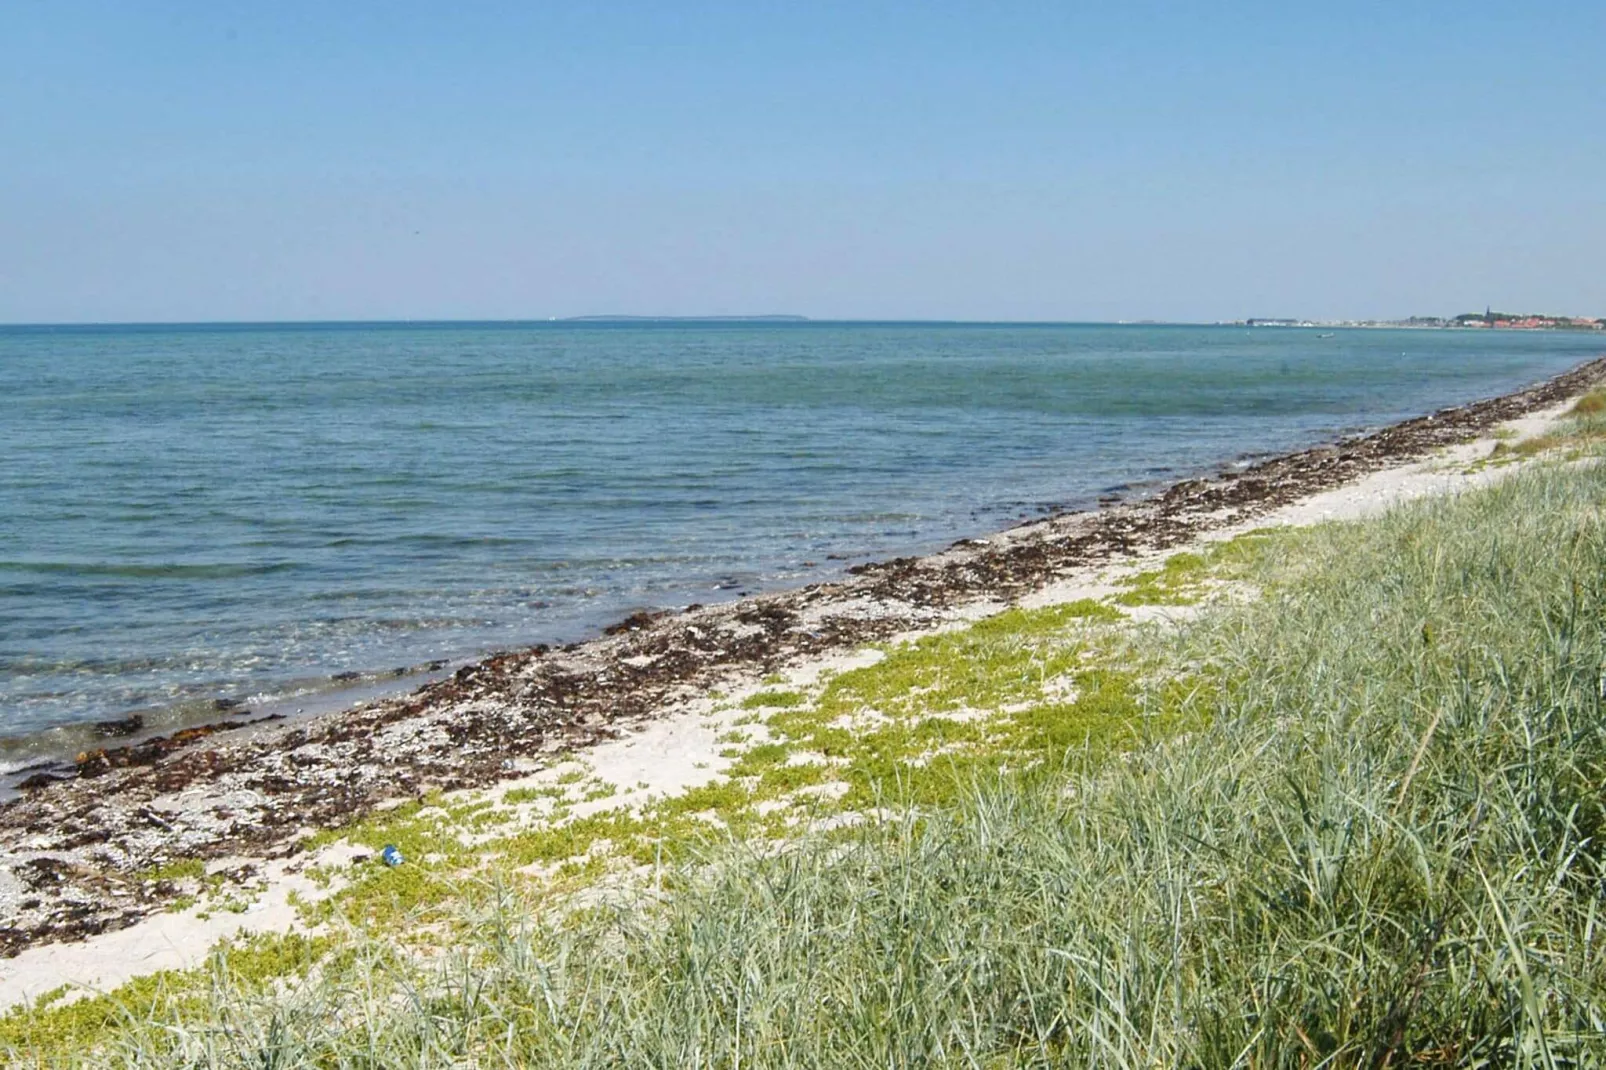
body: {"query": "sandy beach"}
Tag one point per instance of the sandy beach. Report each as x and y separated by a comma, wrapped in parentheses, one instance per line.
(77, 900)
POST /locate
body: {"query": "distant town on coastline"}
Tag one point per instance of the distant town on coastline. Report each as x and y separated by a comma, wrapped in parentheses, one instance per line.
(1487, 319)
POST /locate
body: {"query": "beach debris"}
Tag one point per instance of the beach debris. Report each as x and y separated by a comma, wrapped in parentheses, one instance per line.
(123, 726)
(634, 623)
(391, 855)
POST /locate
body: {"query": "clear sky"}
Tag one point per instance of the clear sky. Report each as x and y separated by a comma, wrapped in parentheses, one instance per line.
(167, 160)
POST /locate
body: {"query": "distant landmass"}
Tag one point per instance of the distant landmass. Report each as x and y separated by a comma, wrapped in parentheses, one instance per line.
(1518, 321)
(686, 319)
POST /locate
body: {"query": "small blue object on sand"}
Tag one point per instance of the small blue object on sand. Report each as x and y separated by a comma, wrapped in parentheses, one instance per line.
(391, 855)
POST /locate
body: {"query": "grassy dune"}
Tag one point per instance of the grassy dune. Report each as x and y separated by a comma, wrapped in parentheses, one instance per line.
(1349, 814)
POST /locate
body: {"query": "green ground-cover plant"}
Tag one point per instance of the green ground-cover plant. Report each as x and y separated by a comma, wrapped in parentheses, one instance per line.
(1174, 583)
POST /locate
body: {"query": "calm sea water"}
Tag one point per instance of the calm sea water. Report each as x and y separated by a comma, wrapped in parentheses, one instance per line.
(193, 513)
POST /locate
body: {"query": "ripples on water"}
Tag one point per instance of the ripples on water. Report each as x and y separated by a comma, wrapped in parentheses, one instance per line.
(200, 512)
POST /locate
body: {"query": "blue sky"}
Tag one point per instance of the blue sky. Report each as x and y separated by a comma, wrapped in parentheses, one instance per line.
(188, 161)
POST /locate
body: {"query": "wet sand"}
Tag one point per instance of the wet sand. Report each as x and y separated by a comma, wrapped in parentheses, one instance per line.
(74, 843)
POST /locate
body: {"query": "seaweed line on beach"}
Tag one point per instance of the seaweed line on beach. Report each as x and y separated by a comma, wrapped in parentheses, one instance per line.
(81, 853)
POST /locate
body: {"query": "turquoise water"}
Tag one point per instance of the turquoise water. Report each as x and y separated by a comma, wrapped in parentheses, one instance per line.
(241, 512)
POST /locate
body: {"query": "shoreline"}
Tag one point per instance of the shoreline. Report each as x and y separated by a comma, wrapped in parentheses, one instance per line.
(227, 620)
(72, 848)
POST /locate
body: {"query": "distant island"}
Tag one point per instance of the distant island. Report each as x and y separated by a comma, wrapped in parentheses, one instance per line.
(685, 319)
(1487, 319)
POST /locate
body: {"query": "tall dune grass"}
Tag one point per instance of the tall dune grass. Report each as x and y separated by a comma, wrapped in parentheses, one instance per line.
(1384, 850)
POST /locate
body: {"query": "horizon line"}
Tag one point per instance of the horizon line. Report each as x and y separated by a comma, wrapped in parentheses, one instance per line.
(776, 320)
(757, 320)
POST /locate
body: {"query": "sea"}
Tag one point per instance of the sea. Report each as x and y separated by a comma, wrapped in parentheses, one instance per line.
(217, 520)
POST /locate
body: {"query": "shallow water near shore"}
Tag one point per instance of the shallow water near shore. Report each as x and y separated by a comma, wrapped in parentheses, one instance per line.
(246, 513)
